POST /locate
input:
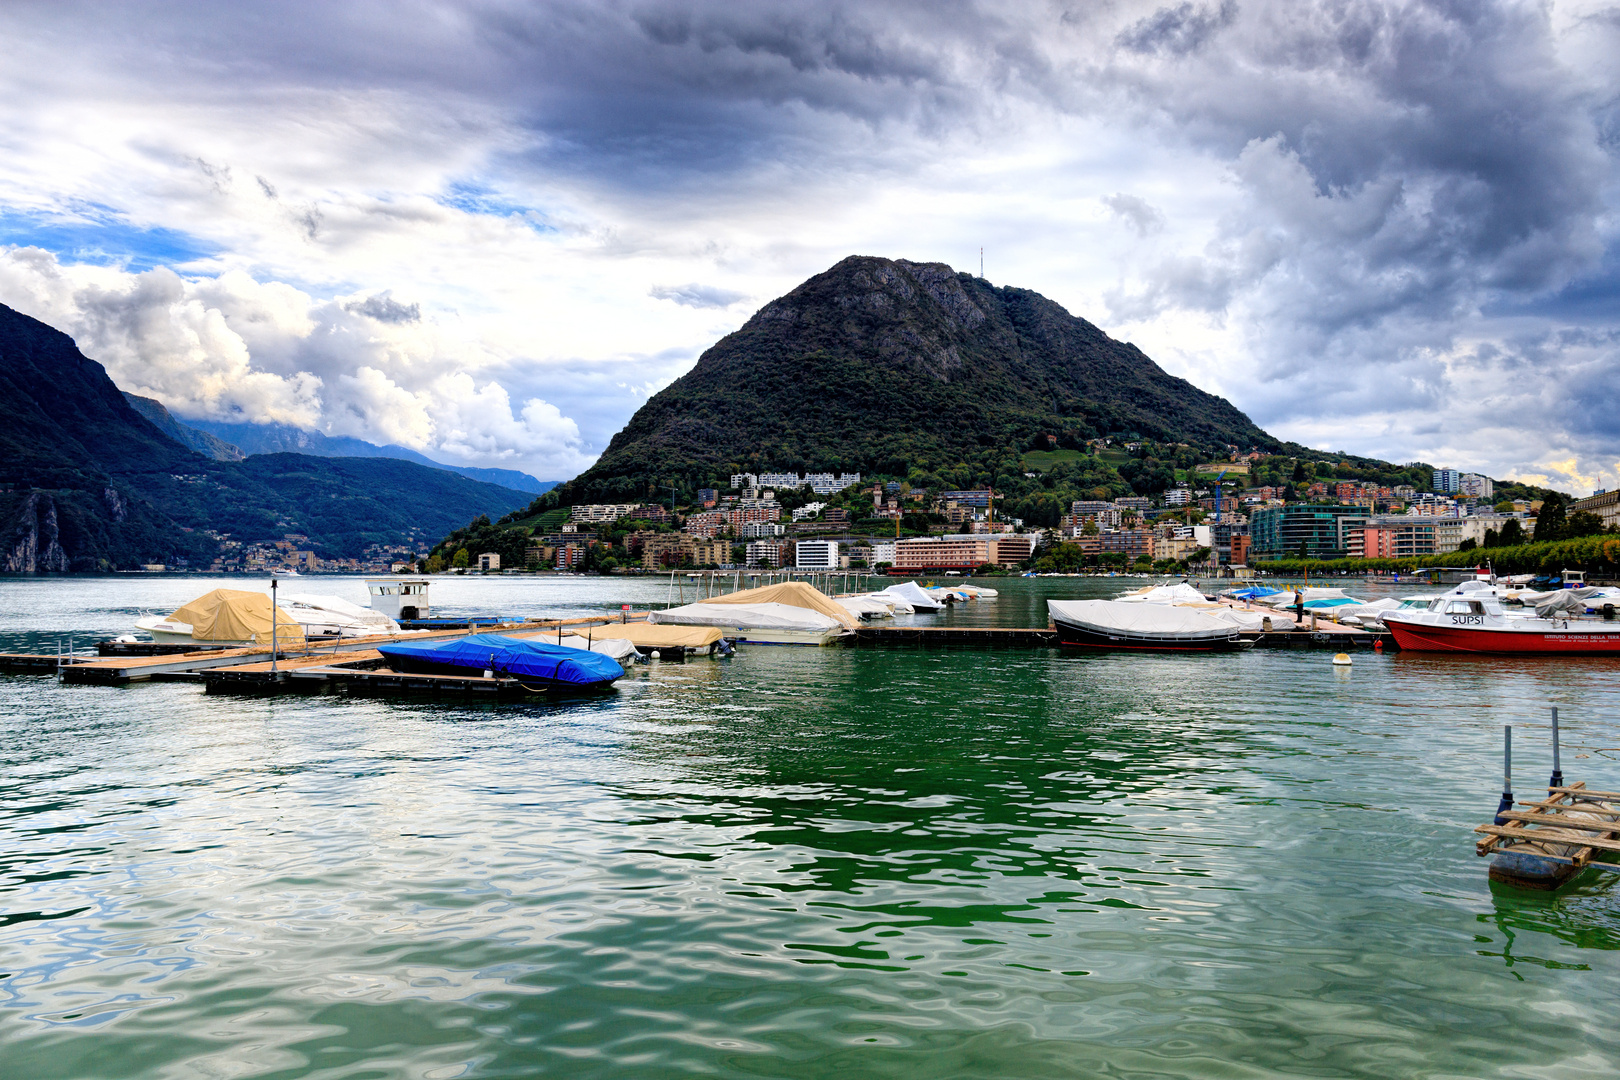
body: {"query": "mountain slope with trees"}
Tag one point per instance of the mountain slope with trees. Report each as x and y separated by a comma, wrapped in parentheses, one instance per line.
(883, 365)
(88, 483)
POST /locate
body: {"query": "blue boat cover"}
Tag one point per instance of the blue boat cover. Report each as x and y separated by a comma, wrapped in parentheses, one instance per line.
(1249, 594)
(520, 658)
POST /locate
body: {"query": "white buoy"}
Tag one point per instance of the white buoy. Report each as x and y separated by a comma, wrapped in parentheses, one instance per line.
(1341, 659)
(655, 654)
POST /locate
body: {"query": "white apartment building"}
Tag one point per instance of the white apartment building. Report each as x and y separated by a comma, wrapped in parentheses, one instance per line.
(882, 552)
(816, 555)
(756, 529)
(600, 512)
(1474, 486)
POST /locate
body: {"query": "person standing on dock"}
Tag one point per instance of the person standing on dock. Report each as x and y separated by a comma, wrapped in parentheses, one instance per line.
(1299, 607)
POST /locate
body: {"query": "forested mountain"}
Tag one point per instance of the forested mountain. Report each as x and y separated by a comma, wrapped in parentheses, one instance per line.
(882, 365)
(205, 443)
(87, 482)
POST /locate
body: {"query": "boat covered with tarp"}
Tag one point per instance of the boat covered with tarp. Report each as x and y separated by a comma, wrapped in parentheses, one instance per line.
(797, 594)
(913, 595)
(225, 617)
(324, 615)
(664, 638)
(1252, 593)
(867, 607)
(1180, 593)
(536, 664)
(1113, 624)
(760, 624)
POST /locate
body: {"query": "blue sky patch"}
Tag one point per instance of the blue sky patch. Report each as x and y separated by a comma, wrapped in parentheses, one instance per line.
(97, 235)
(473, 198)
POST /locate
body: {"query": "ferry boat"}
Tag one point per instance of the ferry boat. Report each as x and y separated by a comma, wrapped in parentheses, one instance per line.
(1476, 624)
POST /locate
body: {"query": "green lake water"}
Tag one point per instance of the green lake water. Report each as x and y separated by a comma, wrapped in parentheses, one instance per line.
(794, 863)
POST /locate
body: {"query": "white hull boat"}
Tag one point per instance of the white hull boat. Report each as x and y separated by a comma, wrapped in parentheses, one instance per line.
(757, 624)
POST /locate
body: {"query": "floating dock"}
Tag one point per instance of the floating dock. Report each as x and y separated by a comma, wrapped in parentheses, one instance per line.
(1546, 843)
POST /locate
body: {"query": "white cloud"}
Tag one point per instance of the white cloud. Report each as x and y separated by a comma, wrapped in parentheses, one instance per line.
(1318, 209)
(230, 348)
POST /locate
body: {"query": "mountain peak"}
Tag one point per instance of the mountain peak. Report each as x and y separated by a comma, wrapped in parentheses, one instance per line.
(876, 364)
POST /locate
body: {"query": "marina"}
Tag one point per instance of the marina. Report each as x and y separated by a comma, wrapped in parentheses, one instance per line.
(948, 804)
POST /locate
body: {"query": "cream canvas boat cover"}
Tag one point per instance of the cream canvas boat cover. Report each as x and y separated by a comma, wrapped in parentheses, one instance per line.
(765, 616)
(794, 594)
(912, 593)
(647, 636)
(1156, 620)
(237, 615)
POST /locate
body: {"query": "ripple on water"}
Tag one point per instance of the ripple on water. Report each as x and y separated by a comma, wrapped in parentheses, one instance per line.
(794, 863)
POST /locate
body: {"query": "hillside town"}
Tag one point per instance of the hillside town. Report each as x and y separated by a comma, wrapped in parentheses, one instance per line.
(1212, 518)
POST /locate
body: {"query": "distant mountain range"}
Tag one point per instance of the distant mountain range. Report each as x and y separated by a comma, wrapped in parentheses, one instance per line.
(233, 442)
(89, 481)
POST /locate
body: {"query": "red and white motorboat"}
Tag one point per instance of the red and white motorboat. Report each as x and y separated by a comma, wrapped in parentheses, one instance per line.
(1459, 623)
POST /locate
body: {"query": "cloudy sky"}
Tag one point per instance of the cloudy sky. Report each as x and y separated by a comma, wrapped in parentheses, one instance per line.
(489, 230)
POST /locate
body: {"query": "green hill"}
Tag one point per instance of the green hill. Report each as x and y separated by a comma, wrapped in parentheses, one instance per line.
(87, 482)
(882, 365)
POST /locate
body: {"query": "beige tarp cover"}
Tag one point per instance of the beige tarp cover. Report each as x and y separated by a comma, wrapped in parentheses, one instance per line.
(662, 636)
(794, 594)
(236, 615)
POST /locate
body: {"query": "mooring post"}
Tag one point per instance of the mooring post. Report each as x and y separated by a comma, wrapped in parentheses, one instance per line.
(274, 675)
(1507, 774)
(1558, 772)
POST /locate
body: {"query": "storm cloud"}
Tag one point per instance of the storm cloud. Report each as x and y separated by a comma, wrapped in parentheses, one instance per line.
(1382, 227)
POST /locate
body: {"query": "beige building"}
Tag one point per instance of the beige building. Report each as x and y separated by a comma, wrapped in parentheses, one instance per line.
(960, 551)
(711, 552)
(659, 550)
(1605, 504)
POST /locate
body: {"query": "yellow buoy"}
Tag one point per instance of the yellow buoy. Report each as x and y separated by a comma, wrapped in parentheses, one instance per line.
(1341, 659)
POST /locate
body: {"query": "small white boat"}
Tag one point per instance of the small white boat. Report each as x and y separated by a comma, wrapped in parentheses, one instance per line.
(757, 624)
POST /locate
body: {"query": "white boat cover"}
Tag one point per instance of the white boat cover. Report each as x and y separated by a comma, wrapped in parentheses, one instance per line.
(896, 605)
(618, 648)
(769, 616)
(1155, 620)
(1559, 600)
(338, 610)
(865, 607)
(1181, 593)
(912, 593)
(1243, 620)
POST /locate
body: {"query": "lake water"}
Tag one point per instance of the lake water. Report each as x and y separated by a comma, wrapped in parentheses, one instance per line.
(794, 863)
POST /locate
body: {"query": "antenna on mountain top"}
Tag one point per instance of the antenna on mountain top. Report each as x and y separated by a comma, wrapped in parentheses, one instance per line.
(981, 264)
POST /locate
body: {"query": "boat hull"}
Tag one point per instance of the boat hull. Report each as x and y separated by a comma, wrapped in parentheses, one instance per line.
(1085, 637)
(744, 635)
(1553, 641)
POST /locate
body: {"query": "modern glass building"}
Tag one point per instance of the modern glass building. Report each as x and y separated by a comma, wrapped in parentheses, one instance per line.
(1319, 531)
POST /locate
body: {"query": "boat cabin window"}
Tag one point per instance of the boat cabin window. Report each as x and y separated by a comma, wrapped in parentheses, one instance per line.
(1465, 607)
